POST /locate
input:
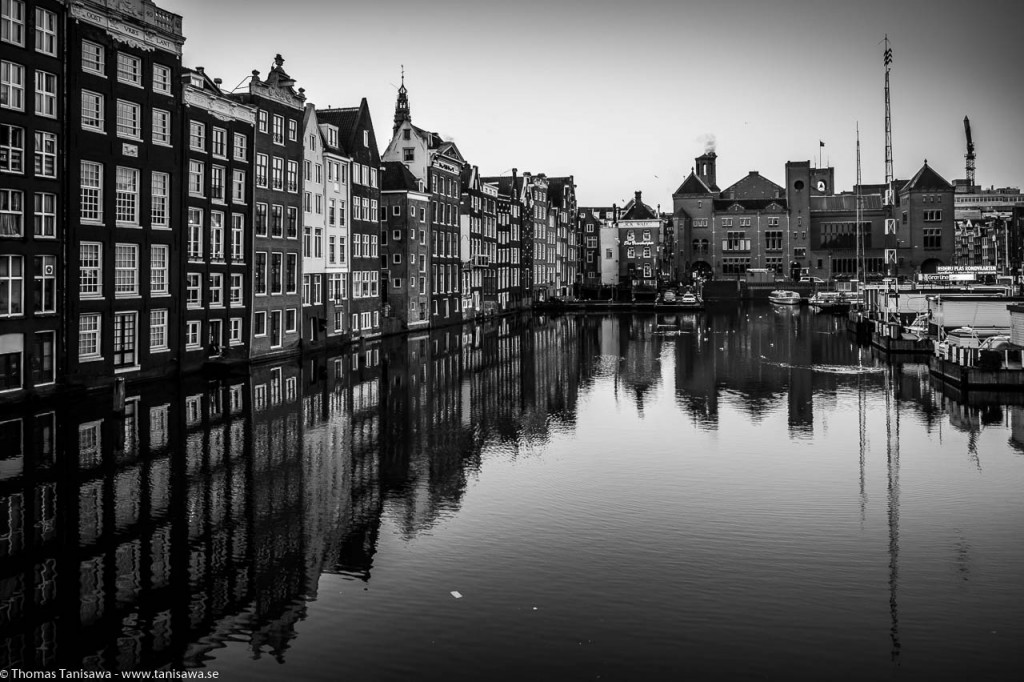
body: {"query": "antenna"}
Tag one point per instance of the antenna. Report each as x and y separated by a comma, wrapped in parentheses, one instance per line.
(891, 241)
(860, 233)
(887, 59)
(970, 153)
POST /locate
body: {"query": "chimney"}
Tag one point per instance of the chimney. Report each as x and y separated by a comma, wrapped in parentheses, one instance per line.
(636, 196)
(706, 168)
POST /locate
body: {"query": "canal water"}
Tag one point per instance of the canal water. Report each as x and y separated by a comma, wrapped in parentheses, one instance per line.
(733, 494)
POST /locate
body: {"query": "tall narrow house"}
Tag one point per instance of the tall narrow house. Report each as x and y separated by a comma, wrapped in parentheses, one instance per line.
(358, 143)
(32, 223)
(219, 210)
(276, 267)
(122, 64)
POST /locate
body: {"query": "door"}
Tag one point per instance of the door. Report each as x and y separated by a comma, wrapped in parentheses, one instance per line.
(275, 328)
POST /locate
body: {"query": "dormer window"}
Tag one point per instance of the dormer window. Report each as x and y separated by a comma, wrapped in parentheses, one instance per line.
(406, 134)
(197, 81)
(366, 138)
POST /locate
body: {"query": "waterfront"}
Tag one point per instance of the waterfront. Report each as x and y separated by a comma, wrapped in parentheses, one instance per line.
(749, 495)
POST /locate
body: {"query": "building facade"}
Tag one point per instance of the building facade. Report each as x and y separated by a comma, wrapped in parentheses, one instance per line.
(33, 227)
(124, 249)
(405, 249)
(278, 160)
(219, 212)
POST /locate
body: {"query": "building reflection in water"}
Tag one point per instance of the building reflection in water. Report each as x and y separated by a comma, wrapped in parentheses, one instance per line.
(208, 511)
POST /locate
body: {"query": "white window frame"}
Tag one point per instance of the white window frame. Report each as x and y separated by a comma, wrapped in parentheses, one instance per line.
(159, 270)
(126, 270)
(46, 94)
(129, 120)
(94, 58)
(126, 197)
(90, 327)
(91, 192)
(161, 79)
(129, 69)
(12, 23)
(161, 127)
(45, 216)
(160, 197)
(158, 330)
(92, 111)
(12, 86)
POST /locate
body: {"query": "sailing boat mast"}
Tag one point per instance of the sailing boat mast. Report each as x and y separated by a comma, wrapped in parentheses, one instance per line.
(860, 233)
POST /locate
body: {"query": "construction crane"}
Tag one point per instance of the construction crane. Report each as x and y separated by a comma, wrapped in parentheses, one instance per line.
(970, 153)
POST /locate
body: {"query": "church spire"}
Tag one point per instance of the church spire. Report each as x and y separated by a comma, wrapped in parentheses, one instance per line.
(402, 112)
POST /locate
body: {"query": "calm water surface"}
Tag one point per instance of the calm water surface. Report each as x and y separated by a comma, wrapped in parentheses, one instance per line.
(743, 495)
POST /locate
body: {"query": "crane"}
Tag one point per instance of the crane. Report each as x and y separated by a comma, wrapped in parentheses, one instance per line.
(970, 153)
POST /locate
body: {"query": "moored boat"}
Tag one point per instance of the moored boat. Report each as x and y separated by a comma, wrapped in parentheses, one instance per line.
(829, 302)
(784, 297)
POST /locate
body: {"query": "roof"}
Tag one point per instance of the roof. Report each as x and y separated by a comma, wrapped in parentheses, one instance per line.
(749, 204)
(846, 202)
(504, 183)
(693, 185)
(398, 177)
(753, 186)
(927, 180)
(350, 122)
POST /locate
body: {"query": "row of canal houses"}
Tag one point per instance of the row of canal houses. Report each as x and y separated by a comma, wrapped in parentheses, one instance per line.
(152, 222)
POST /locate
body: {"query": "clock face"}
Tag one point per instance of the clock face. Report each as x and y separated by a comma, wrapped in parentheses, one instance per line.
(821, 185)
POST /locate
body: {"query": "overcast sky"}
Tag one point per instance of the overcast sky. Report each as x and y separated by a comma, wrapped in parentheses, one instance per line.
(623, 95)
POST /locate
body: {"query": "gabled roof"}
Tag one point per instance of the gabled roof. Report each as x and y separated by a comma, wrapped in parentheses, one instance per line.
(556, 190)
(350, 122)
(504, 183)
(636, 209)
(753, 186)
(693, 185)
(398, 177)
(927, 180)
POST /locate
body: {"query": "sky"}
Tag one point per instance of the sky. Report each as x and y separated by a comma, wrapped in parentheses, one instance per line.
(624, 95)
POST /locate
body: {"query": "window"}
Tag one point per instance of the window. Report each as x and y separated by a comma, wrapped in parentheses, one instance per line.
(124, 339)
(293, 130)
(293, 222)
(193, 328)
(260, 217)
(259, 323)
(932, 237)
(90, 278)
(773, 240)
(44, 216)
(12, 149)
(129, 122)
(293, 176)
(161, 79)
(12, 86)
(238, 186)
(933, 216)
(216, 235)
(46, 94)
(237, 237)
(161, 126)
(197, 136)
(219, 142)
(42, 358)
(159, 264)
(277, 173)
(195, 234)
(12, 212)
(276, 221)
(261, 170)
(46, 32)
(127, 196)
(129, 69)
(216, 289)
(260, 274)
(193, 290)
(292, 273)
(158, 330)
(160, 187)
(91, 191)
(278, 134)
(290, 321)
(241, 147)
(92, 111)
(217, 181)
(276, 273)
(12, 283)
(93, 58)
(126, 270)
(88, 336)
(12, 22)
(235, 290)
(195, 178)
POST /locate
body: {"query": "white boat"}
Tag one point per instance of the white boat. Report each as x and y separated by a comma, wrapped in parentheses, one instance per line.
(784, 297)
(829, 302)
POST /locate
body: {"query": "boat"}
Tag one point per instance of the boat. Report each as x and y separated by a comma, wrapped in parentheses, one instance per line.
(689, 301)
(784, 297)
(829, 302)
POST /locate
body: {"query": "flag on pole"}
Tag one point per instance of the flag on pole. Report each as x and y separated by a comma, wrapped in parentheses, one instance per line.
(887, 56)
(820, 143)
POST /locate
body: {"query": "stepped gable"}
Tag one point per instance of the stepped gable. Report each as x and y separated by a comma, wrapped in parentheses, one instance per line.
(753, 186)
(927, 180)
(398, 177)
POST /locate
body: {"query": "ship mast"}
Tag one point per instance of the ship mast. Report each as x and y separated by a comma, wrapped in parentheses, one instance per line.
(891, 243)
(857, 225)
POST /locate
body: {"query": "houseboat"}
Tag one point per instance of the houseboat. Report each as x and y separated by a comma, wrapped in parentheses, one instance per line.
(829, 302)
(784, 297)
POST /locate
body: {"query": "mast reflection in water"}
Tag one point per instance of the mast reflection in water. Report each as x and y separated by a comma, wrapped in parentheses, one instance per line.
(748, 494)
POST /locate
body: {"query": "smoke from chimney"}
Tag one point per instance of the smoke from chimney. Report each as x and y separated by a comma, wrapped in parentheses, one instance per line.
(708, 140)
